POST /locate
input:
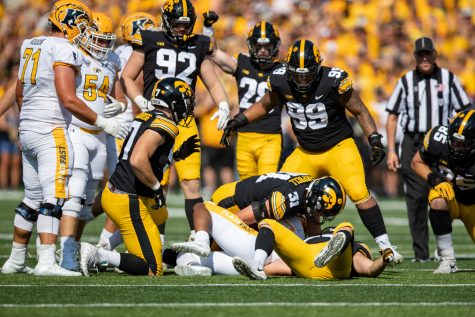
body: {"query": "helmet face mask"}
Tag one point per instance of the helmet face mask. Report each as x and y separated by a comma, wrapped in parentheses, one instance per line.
(461, 138)
(263, 42)
(177, 96)
(303, 64)
(100, 39)
(325, 198)
(178, 20)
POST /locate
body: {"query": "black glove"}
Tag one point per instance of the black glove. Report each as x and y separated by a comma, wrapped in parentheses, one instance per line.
(159, 198)
(190, 146)
(377, 148)
(435, 178)
(210, 18)
(235, 123)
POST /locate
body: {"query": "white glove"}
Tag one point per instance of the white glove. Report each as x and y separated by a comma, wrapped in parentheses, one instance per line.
(222, 114)
(114, 108)
(112, 127)
(143, 103)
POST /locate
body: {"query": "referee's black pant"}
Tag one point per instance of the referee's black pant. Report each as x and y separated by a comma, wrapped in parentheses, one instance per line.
(417, 192)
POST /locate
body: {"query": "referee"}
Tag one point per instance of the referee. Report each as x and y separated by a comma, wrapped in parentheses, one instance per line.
(424, 97)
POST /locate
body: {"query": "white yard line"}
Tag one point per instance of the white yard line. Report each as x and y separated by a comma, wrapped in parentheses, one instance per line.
(234, 285)
(221, 304)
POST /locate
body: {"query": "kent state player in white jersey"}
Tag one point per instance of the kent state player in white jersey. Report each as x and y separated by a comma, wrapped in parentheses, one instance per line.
(131, 25)
(46, 95)
(99, 81)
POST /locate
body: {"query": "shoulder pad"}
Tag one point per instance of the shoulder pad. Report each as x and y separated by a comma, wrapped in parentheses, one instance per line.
(277, 205)
(164, 125)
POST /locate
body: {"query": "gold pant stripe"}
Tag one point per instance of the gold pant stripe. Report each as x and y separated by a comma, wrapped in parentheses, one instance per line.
(230, 216)
(62, 163)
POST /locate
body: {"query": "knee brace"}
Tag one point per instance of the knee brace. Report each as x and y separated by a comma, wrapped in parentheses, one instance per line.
(73, 206)
(26, 212)
(51, 210)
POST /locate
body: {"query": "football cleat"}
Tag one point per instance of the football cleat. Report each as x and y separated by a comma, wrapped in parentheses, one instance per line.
(447, 266)
(11, 268)
(194, 247)
(53, 270)
(248, 269)
(437, 257)
(331, 250)
(88, 257)
(192, 270)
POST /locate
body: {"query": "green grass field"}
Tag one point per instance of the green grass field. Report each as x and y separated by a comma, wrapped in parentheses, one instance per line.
(408, 289)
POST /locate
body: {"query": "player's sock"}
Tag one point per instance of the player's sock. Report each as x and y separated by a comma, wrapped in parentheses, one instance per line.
(442, 227)
(110, 257)
(265, 242)
(189, 203)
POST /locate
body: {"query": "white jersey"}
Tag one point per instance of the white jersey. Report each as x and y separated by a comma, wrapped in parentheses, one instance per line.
(124, 52)
(97, 81)
(41, 110)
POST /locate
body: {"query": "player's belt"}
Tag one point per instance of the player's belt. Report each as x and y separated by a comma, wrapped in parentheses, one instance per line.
(115, 190)
(90, 131)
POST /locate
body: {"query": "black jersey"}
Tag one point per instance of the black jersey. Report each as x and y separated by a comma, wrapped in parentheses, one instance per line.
(435, 153)
(252, 86)
(285, 192)
(318, 119)
(124, 178)
(165, 59)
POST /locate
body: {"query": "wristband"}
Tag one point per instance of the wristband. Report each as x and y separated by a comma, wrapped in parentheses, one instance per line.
(156, 186)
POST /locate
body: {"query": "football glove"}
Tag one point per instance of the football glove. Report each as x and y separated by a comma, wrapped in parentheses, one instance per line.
(190, 146)
(435, 178)
(387, 255)
(237, 122)
(377, 148)
(159, 198)
(112, 127)
(210, 18)
(114, 108)
(143, 103)
(445, 190)
(222, 114)
(225, 139)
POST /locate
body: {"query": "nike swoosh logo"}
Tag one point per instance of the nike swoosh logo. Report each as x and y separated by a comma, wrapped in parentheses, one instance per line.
(318, 97)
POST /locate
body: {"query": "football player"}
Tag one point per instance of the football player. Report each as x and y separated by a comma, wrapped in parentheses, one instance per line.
(99, 89)
(131, 25)
(46, 94)
(316, 98)
(329, 256)
(259, 144)
(133, 197)
(447, 162)
(177, 52)
(276, 196)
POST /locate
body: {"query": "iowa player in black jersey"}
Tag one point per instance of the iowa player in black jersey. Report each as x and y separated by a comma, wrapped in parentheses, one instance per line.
(259, 144)
(447, 163)
(332, 255)
(176, 52)
(271, 196)
(316, 98)
(133, 197)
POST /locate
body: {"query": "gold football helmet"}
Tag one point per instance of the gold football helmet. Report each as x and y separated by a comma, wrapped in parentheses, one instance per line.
(133, 23)
(72, 17)
(100, 40)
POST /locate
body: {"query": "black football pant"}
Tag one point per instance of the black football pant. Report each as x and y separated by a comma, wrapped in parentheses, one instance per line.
(417, 193)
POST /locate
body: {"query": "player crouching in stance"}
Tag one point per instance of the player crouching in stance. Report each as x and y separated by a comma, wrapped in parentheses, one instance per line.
(133, 197)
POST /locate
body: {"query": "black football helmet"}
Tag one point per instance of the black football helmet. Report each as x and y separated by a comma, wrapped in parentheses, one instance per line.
(325, 197)
(461, 139)
(303, 63)
(176, 95)
(263, 35)
(178, 20)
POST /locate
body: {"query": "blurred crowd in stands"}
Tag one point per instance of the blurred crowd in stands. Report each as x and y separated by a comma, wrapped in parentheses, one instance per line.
(371, 39)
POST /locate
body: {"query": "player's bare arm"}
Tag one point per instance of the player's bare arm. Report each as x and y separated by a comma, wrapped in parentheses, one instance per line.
(262, 107)
(420, 167)
(18, 95)
(366, 267)
(356, 106)
(227, 63)
(146, 145)
(130, 73)
(8, 99)
(391, 126)
(211, 82)
(64, 81)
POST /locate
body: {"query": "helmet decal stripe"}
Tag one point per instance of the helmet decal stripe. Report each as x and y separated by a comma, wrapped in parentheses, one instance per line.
(302, 54)
(464, 122)
(185, 8)
(263, 29)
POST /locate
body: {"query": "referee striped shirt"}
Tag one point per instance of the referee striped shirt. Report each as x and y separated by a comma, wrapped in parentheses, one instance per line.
(426, 102)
